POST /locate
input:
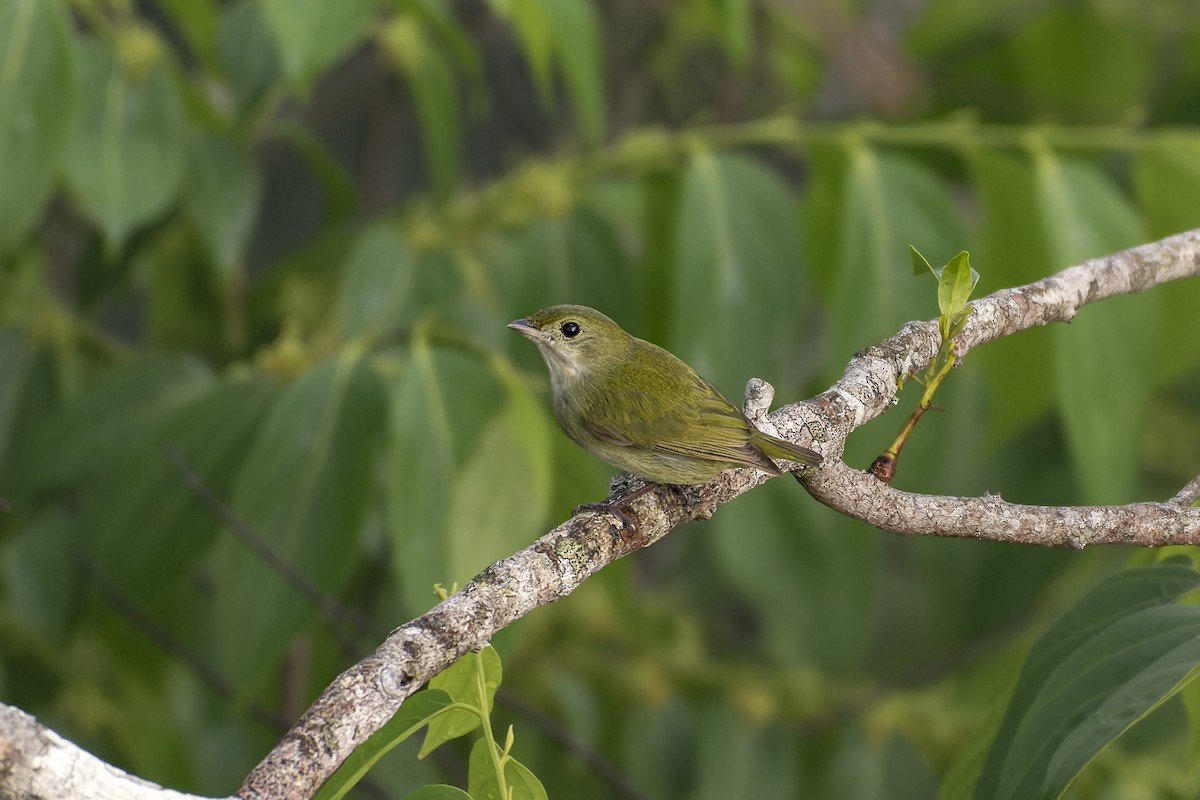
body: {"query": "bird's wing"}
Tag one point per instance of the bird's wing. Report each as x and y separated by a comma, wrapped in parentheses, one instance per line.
(676, 411)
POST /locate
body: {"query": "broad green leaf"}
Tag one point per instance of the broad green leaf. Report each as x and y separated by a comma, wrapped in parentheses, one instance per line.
(124, 157)
(811, 578)
(1013, 248)
(41, 580)
(415, 713)
(36, 94)
(1113, 658)
(737, 290)
(886, 200)
(377, 284)
(435, 93)
(577, 42)
(82, 441)
(472, 681)
(502, 493)
(303, 490)
(312, 34)
(483, 783)
(1086, 217)
(222, 195)
(1079, 65)
(146, 525)
(421, 458)
(438, 792)
(738, 758)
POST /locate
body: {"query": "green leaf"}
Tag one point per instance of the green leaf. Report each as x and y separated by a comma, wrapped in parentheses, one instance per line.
(247, 53)
(1087, 217)
(197, 21)
(438, 792)
(335, 180)
(734, 26)
(377, 284)
(881, 197)
(435, 92)
(920, 264)
(577, 42)
(483, 784)
(124, 157)
(955, 284)
(737, 286)
(1104, 665)
(1013, 245)
(531, 19)
(502, 494)
(472, 681)
(415, 713)
(17, 361)
(222, 195)
(421, 455)
(1166, 178)
(312, 34)
(146, 525)
(36, 92)
(303, 490)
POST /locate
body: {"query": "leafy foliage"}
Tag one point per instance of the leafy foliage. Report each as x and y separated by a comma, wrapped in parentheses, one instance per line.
(256, 394)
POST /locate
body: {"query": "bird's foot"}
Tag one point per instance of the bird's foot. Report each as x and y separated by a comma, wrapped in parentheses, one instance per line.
(629, 525)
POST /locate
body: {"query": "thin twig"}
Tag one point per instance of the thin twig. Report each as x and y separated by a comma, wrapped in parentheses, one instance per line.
(306, 588)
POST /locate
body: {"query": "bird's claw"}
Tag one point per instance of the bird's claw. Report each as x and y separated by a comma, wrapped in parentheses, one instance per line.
(628, 525)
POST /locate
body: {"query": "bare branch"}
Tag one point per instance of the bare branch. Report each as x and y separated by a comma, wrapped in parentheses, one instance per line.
(862, 496)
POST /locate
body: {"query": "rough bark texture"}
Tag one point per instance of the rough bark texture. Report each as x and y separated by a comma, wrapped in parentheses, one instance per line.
(365, 696)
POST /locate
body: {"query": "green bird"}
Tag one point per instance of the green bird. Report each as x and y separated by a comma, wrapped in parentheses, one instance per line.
(638, 407)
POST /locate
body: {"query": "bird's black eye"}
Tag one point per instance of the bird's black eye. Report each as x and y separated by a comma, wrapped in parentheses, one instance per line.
(570, 329)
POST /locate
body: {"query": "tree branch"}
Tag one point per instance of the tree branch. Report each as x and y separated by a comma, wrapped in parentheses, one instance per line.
(359, 701)
(36, 763)
(365, 696)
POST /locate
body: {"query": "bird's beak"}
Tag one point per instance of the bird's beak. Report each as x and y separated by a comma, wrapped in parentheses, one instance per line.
(523, 327)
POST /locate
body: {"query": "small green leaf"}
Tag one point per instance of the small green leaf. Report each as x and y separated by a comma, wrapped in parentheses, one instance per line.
(483, 783)
(920, 264)
(415, 713)
(955, 284)
(472, 681)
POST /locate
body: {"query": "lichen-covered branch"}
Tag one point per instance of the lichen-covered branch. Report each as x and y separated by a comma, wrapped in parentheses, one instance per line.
(366, 695)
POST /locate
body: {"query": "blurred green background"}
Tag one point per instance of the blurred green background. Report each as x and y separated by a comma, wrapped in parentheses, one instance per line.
(269, 247)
